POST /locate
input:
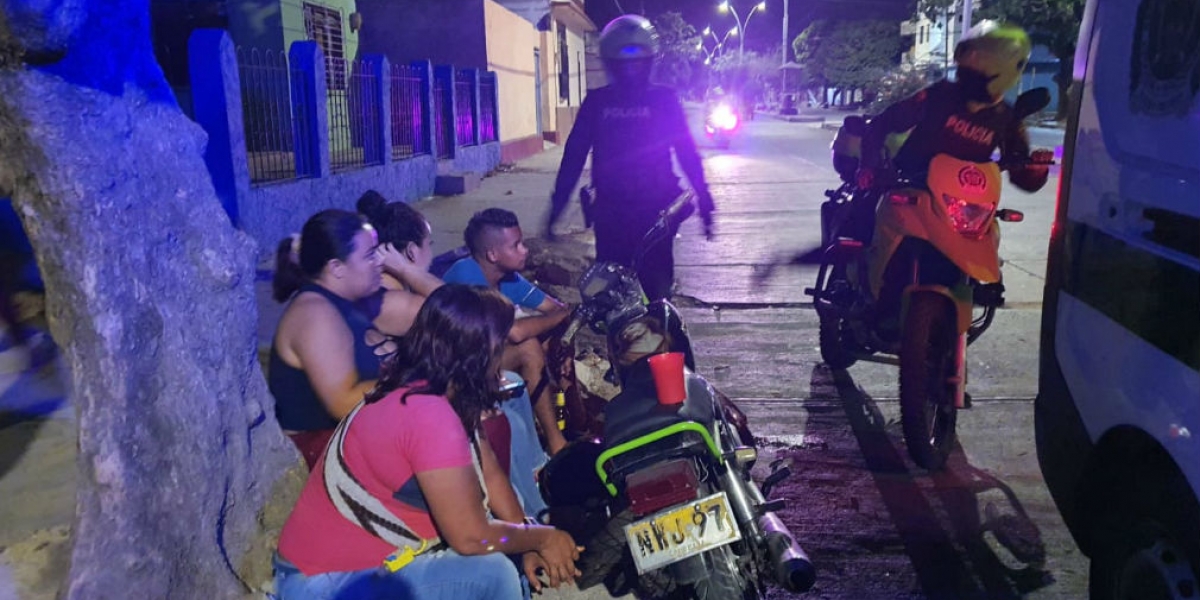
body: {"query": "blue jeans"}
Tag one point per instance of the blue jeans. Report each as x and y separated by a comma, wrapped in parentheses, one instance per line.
(444, 575)
(527, 455)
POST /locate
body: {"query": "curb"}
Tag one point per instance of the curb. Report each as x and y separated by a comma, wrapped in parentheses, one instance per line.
(794, 118)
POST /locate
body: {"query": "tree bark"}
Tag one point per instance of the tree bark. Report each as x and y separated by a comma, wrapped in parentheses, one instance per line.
(150, 295)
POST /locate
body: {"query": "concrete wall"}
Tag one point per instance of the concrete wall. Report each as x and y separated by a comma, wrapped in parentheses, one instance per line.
(511, 41)
(480, 158)
(447, 32)
(271, 212)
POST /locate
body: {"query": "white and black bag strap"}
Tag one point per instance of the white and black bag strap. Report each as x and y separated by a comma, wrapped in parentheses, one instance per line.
(355, 502)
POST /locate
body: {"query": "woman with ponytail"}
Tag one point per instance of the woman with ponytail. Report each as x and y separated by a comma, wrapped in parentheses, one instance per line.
(326, 352)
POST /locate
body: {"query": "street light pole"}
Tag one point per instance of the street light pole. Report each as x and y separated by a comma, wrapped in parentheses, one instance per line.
(968, 5)
(784, 57)
(726, 6)
(719, 40)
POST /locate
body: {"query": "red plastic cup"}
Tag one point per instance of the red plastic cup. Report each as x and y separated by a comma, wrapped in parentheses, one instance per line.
(667, 370)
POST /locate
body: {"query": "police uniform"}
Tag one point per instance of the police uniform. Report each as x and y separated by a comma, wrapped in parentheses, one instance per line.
(631, 134)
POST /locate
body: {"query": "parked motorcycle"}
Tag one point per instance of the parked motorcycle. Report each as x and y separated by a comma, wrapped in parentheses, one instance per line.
(668, 488)
(926, 287)
(720, 123)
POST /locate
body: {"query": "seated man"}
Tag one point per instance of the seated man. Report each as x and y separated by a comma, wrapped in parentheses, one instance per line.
(498, 252)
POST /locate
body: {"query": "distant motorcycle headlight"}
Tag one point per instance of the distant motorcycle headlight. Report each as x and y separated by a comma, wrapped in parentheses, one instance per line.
(723, 117)
(969, 219)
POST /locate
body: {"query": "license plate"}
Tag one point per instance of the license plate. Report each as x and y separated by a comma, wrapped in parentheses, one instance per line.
(685, 530)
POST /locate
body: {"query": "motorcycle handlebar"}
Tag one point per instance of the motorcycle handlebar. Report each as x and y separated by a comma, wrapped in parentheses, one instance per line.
(680, 209)
(580, 317)
(678, 206)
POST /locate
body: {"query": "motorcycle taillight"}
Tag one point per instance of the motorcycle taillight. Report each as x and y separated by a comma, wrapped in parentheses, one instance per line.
(969, 219)
(662, 485)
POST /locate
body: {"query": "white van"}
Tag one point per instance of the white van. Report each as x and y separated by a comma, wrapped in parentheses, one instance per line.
(1118, 407)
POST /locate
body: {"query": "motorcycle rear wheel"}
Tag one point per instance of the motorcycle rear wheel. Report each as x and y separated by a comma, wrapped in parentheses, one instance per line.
(927, 369)
(725, 581)
(608, 560)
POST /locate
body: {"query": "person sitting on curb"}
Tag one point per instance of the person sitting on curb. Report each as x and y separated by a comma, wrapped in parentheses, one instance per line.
(406, 502)
(512, 429)
(326, 351)
(498, 253)
(395, 304)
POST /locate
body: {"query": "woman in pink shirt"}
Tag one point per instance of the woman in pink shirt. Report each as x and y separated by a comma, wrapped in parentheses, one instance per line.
(407, 474)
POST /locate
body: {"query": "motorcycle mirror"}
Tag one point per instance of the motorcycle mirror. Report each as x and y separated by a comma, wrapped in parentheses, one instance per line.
(1031, 102)
(1009, 215)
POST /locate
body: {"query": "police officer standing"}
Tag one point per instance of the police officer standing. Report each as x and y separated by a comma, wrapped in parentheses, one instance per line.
(632, 126)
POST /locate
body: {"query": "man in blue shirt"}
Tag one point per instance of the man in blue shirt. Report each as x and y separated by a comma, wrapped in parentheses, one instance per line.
(498, 253)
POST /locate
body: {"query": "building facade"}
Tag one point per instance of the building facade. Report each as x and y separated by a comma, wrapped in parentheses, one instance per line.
(537, 48)
(931, 49)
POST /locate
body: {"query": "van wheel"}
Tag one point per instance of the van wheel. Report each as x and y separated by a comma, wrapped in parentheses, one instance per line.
(1149, 546)
(927, 370)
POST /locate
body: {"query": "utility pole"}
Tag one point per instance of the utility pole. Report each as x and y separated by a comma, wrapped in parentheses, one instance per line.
(967, 7)
(784, 58)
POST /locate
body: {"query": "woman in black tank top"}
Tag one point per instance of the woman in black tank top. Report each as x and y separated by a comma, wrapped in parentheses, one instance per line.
(350, 294)
(323, 360)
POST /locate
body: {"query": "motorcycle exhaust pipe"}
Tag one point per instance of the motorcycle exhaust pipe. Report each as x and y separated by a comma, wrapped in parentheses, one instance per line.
(793, 569)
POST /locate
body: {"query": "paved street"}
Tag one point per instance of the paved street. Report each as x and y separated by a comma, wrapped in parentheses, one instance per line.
(877, 527)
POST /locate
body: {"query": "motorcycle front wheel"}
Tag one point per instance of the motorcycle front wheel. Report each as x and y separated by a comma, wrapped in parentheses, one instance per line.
(833, 331)
(927, 379)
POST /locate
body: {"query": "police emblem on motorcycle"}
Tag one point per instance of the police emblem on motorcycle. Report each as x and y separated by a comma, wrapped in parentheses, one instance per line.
(972, 179)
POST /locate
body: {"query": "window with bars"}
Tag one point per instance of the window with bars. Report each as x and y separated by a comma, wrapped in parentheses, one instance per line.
(323, 25)
(564, 64)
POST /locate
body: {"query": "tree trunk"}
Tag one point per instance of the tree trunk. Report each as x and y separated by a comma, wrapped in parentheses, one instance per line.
(150, 295)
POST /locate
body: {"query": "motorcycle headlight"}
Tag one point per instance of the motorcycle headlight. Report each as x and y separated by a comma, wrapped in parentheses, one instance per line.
(723, 117)
(968, 218)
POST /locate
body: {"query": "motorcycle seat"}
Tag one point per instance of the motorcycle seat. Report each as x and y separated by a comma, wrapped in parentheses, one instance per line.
(635, 411)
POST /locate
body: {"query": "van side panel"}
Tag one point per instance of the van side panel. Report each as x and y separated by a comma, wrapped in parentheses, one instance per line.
(1063, 443)
(1121, 318)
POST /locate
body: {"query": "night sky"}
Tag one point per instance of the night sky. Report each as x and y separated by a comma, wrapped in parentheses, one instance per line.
(764, 28)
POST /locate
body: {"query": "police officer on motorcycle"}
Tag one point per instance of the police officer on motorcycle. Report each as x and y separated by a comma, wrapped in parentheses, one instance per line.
(632, 126)
(966, 118)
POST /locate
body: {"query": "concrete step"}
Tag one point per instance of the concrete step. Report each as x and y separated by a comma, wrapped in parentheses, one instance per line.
(454, 184)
